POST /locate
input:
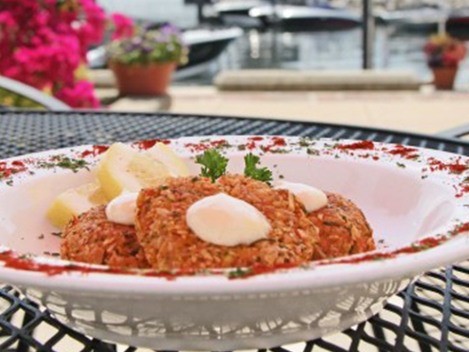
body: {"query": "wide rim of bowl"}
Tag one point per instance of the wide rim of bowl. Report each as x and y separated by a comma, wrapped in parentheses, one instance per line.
(452, 243)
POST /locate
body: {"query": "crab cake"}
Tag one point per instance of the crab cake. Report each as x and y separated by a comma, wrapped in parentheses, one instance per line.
(169, 243)
(343, 229)
(91, 238)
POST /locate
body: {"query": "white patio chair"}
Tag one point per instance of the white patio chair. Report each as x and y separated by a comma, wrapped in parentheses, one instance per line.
(33, 94)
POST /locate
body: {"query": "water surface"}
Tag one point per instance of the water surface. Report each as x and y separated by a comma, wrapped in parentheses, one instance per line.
(331, 50)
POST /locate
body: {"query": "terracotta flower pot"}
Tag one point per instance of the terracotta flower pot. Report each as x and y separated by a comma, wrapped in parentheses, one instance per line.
(143, 80)
(443, 77)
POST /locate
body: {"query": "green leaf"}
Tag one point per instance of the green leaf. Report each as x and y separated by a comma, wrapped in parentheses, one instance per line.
(251, 170)
(213, 164)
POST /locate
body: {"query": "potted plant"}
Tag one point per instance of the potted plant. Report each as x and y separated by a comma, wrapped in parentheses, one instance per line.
(443, 56)
(144, 61)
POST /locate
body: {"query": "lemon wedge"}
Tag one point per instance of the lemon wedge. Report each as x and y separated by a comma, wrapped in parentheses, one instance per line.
(165, 155)
(121, 169)
(124, 169)
(73, 202)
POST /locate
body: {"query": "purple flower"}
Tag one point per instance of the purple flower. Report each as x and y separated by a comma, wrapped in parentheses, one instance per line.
(169, 31)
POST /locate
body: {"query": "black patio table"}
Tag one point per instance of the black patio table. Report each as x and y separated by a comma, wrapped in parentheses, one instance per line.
(432, 314)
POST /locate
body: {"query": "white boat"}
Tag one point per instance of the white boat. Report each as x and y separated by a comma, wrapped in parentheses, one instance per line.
(205, 46)
(306, 17)
(236, 7)
(236, 12)
(416, 17)
(459, 19)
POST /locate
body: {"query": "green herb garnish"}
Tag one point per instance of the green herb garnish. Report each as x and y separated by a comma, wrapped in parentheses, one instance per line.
(72, 164)
(239, 272)
(305, 142)
(257, 173)
(213, 164)
(65, 162)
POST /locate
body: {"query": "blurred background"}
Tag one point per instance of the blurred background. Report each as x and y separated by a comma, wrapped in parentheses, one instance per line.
(269, 58)
(311, 34)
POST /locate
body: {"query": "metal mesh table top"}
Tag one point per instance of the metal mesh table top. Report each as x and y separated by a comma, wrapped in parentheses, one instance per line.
(27, 132)
(430, 315)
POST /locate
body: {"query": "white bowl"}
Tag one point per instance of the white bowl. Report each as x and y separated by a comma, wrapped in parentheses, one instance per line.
(404, 200)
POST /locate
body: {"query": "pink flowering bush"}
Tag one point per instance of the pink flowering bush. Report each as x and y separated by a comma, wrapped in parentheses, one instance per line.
(123, 26)
(81, 94)
(43, 43)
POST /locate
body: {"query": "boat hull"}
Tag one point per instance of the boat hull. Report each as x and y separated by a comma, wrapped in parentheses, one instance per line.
(317, 24)
(413, 19)
(302, 18)
(459, 19)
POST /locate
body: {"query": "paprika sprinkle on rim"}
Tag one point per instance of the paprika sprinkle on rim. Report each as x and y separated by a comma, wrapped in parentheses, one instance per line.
(252, 142)
(405, 152)
(275, 143)
(149, 143)
(456, 167)
(366, 145)
(9, 169)
(205, 145)
(95, 150)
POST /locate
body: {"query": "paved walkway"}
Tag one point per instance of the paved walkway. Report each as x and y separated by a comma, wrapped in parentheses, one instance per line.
(426, 111)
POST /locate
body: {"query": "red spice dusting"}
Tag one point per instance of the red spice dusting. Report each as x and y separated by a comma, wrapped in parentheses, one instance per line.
(357, 145)
(203, 146)
(95, 150)
(218, 143)
(14, 167)
(416, 247)
(464, 227)
(364, 258)
(12, 260)
(148, 143)
(256, 138)
(456, 167)
(278, 142)
(405, 152)
(375, 157)
(251, 145)
(274, 142)
(197, 147)
(463, 189)
(15, 262)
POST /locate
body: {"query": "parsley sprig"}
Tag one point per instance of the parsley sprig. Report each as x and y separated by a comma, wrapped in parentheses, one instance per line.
(213, 164)
(257, 173)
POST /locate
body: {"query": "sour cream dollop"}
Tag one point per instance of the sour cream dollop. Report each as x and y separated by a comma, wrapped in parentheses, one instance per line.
(311, 197)
(227, 221)
(122, 209)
